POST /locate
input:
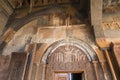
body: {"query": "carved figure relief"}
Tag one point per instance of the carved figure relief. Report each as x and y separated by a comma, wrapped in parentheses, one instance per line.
(68, 53)
(66, 58)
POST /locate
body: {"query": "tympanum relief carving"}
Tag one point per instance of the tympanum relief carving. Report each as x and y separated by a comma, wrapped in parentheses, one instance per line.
(68, 53)
(67, 57)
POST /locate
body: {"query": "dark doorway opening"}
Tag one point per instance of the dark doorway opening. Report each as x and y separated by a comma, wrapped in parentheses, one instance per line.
(69, 76)
(76, 76)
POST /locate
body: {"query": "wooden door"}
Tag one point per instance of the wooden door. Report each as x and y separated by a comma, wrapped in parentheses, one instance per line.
(61, 76)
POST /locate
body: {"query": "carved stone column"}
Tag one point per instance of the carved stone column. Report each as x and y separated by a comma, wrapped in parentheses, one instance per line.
(106, 71)
(116, 50)
(96, 17)
(103, 64)
(110, 64)
(30, 62)
(95, 67)
(98, 70)
(31, 5)
(44, 71)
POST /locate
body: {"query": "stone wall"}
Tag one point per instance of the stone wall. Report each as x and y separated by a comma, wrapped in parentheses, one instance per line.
(5, 12)
(4, 63)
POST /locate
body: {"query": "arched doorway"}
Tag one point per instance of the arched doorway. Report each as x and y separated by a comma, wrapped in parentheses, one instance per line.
(70, 60)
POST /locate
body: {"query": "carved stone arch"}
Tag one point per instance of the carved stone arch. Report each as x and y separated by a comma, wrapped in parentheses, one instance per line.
(89, 52)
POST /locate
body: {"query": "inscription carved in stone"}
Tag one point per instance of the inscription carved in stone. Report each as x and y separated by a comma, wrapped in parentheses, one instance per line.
(114, 24)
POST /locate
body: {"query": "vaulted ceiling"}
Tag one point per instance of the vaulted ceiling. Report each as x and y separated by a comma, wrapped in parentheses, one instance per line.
(8, 7)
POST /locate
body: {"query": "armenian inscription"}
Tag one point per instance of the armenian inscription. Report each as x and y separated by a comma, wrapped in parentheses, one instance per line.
(114, 24)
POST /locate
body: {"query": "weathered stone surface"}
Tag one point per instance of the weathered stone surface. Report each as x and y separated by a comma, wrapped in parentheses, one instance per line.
(111, 21)
(5, 12)
(17, 66)
(96, 18)
(60, 22)
(70, 58)
(6, 6)
(51, 34)
(21, 38)
(111, 26)
(3, 19)
(117, 53)
(4, 64)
